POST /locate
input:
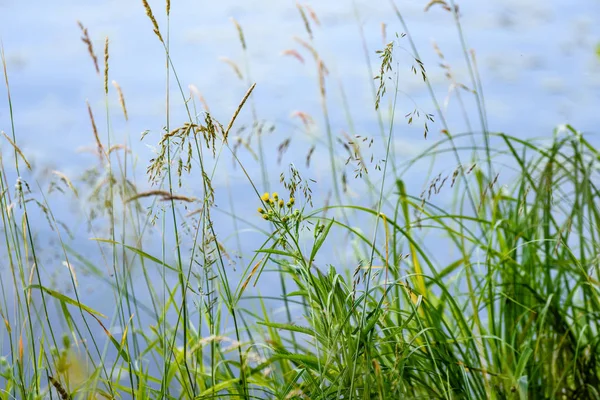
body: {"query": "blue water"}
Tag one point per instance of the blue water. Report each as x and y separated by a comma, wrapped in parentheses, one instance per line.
(536, 60)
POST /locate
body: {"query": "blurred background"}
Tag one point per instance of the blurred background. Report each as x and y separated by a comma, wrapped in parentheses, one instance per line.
(538, 62)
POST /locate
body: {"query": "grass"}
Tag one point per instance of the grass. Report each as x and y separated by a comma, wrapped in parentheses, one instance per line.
(494, 294)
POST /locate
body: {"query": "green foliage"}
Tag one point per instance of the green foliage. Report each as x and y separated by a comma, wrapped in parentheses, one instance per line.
(507, 308)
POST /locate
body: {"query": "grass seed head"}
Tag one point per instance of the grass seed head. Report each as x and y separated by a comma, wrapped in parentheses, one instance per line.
(86, 39)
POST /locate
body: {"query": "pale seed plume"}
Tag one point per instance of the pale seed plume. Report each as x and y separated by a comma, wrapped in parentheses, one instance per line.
(238, 27)
(116, 147)
(233, 66)
(194, 91)
(322, 73)
(72, 271)
(67, 181)
(304, 117)
(153, 20)
(307, 47)
(18, 150)
(100, 148)
(121, 99)
(305, 20)
(312, 14)
(163, 195)
(106, 65)
(237, 111)
(293, 53)
(86, 39)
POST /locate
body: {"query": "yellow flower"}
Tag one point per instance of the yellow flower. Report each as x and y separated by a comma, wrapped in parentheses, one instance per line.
(265, 197)
(260, 210)
(275, 195)
(280, 202)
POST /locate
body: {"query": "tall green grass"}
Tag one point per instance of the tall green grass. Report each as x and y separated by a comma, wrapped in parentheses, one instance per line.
(493, 296)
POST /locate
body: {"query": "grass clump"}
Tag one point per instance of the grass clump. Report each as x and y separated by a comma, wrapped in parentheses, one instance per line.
(484, 285)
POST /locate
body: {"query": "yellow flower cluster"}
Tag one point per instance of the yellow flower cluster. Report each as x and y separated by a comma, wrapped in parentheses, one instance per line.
(275, 208)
